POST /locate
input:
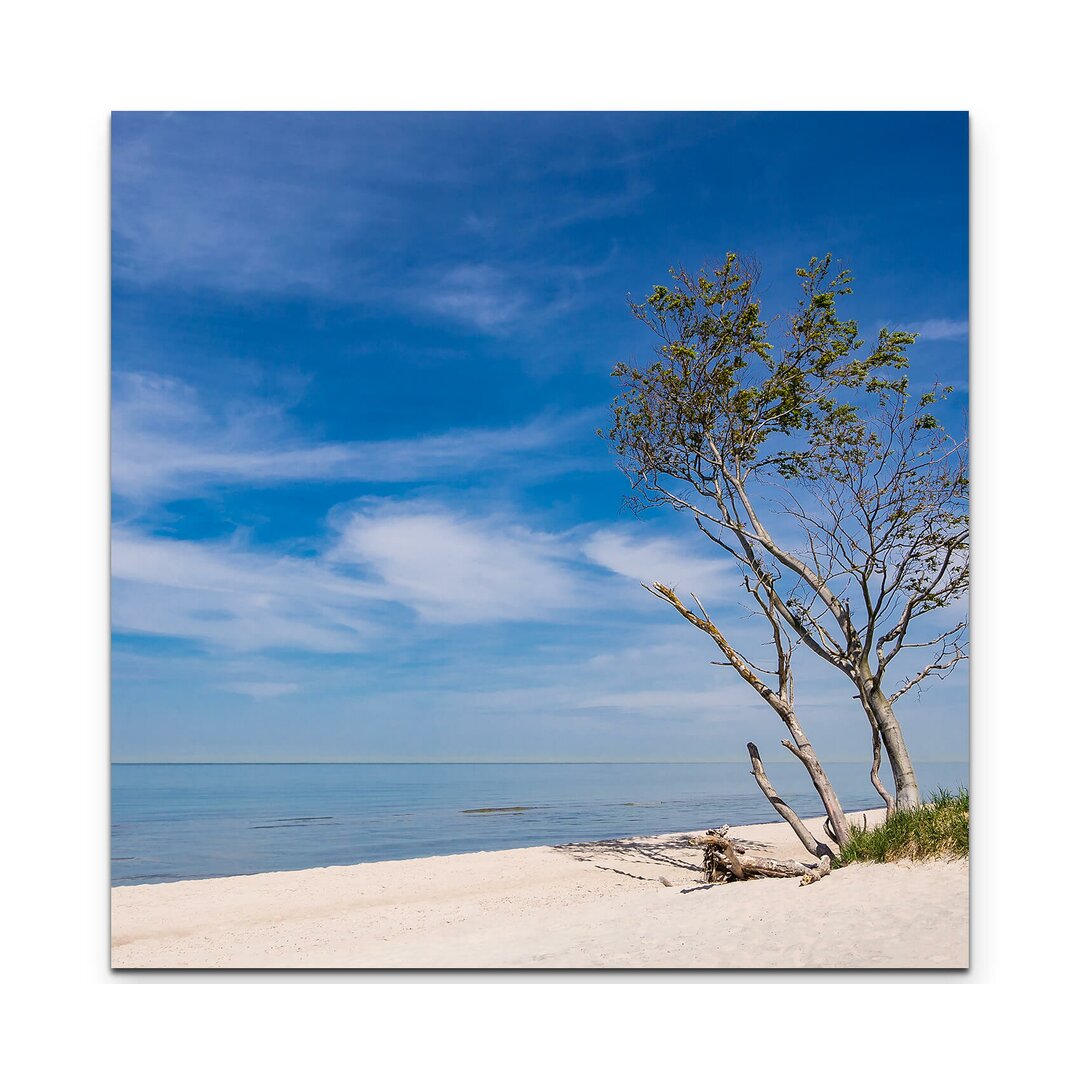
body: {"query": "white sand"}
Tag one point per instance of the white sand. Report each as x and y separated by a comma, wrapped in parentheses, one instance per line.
(584, 906)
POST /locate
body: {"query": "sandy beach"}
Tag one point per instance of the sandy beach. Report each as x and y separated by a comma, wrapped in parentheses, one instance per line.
(590, 905)
(631, 903)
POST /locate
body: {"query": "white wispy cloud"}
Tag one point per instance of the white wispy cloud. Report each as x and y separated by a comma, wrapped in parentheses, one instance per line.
(384, 556)
(261, 690)
(297, 205)
(450, 567)
(667, 700)
(232, 597)
(166, 442)
(443, 565)
(479, 295)
(633, 553)
(940, 329)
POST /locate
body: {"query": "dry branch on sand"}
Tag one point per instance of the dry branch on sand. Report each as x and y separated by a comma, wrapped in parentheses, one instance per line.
(725, 861)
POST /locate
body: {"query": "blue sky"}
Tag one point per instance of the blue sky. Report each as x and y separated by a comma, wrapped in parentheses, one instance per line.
(360, 511)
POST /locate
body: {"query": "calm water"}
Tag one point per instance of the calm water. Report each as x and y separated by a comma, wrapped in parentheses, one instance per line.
(172, 822)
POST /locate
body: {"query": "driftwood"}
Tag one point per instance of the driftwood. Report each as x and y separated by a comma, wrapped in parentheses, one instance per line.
(725, 861)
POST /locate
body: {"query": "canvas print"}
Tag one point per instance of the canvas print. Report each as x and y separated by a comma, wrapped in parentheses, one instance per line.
(540, 540)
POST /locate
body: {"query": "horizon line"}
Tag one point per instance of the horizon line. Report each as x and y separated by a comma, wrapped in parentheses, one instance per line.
(545, 761)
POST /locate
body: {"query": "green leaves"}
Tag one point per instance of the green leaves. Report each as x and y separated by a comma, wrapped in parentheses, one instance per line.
(722, 390)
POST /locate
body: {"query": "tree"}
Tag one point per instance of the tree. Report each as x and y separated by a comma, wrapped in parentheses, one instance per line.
(781, 699)
(814, 467)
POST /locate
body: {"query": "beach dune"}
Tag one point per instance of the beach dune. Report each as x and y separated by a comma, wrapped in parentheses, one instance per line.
(630, 903)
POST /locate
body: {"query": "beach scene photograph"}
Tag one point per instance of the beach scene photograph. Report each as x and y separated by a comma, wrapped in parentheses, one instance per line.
(539, 540)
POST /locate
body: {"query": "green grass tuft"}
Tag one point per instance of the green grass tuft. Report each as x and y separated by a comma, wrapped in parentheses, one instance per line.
(936, 830)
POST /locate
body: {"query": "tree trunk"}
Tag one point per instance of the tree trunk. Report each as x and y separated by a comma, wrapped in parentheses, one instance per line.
(875, 765)
(803, 750)
(880, 713)
(779, 700)
(809, 841)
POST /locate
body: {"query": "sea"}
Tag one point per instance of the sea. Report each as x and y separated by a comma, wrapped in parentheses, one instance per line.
(174, 822)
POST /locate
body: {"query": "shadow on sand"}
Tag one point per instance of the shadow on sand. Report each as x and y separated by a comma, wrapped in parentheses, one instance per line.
(644, 854)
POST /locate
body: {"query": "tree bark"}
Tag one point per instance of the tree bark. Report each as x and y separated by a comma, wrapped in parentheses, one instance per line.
(822, 785)
(881, 716)
(815, 847)
(879, 787)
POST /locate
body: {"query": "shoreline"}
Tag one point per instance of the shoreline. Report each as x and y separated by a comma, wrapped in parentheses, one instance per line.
(634, 902)
(868, 812)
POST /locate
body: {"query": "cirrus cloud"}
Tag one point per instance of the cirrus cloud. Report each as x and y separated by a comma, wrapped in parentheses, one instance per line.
(167, 444)
(632, 553)
(453, 568)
